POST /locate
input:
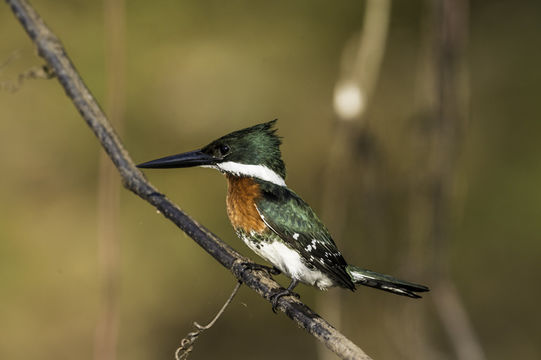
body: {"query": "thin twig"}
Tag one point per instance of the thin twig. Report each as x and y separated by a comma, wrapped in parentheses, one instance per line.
(51, 49)
(186, 345)
(33, 73)
(209, 325)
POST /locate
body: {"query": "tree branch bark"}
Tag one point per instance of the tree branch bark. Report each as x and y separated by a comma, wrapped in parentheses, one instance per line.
(50, 48)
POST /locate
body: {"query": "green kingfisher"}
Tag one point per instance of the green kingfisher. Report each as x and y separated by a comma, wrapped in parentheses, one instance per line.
(273, 220)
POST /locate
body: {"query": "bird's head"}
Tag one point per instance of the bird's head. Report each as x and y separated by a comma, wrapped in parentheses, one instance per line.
(253, 152)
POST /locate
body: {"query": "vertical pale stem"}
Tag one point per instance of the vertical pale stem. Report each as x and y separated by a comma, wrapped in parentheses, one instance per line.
(109, 187)
(443, 100)
(361, 74)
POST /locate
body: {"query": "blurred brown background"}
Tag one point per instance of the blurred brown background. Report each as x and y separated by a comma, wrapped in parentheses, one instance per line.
(450, 201)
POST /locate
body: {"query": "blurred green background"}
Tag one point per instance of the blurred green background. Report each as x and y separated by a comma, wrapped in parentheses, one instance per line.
(195, 70)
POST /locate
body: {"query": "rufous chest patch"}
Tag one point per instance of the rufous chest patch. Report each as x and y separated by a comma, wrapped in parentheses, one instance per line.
(242, 193)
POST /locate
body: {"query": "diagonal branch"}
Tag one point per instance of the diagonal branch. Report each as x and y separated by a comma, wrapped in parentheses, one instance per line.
(50, 48)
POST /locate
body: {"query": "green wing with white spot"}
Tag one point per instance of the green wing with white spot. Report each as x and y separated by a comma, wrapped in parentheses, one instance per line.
(298, 226)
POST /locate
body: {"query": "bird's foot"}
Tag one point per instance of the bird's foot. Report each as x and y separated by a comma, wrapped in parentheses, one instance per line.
(272, 270)
(276, 296)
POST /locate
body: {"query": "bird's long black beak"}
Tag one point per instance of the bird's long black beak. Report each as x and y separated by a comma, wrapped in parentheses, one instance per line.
(188, 159)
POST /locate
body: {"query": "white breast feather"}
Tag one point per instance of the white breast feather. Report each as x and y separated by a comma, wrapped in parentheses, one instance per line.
(289, 262)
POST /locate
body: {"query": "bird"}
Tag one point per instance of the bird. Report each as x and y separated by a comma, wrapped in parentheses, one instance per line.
(275, 222)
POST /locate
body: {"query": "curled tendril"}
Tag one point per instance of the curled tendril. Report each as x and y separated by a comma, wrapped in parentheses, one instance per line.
(186, 344)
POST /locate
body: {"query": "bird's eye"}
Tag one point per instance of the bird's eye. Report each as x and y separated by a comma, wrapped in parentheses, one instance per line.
(224, 149)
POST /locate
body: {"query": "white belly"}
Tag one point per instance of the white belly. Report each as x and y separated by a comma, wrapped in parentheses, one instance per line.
(289, 262)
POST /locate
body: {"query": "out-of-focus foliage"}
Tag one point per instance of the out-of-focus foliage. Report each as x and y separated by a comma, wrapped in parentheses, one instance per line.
(198, 69)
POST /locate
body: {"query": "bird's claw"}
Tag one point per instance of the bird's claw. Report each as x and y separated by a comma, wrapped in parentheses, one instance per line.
(276, 296)
(253, 266)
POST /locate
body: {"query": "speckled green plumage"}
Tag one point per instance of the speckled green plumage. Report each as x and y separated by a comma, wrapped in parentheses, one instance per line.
(296, 224)
(257, 238)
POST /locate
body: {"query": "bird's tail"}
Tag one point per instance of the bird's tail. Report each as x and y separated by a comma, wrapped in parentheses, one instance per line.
(384, 282)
